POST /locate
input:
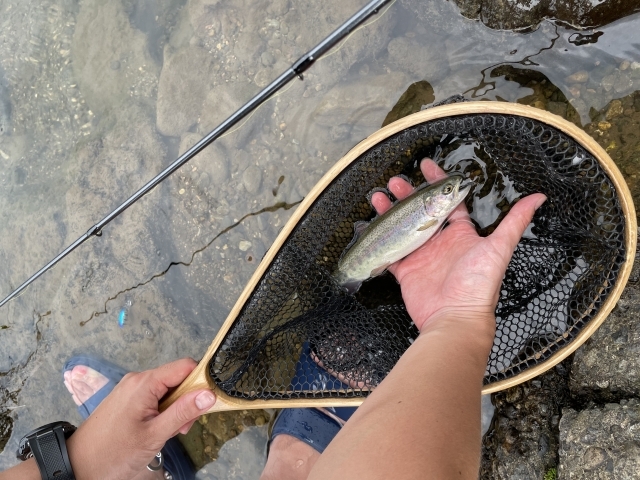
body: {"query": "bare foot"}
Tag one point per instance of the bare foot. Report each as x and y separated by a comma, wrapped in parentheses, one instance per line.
(83, 382)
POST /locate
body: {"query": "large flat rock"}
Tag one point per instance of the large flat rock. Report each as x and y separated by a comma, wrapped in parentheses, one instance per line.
(601, 443)
(607, 366)
(523, 439)
(523, 14)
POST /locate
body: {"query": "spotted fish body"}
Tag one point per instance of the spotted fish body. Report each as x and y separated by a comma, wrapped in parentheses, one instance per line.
(400, 231)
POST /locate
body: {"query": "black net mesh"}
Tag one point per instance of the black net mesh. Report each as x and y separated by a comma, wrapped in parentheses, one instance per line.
(561, 272)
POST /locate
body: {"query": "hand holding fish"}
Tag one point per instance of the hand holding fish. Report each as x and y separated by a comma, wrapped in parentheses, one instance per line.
(456, 273)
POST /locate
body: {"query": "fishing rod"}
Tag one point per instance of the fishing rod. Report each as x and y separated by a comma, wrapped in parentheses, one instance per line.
(296, 70)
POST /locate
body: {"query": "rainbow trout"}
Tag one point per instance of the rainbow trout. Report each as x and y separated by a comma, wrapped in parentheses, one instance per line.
(401, 230)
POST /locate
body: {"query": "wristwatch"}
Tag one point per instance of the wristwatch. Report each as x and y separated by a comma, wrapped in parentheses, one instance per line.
(48, 446)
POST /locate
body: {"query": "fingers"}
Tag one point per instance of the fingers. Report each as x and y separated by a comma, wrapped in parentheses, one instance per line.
(170, 375)
(508, 234)
(399, 187)
(431, 171)
(181, 415)
(380, 202)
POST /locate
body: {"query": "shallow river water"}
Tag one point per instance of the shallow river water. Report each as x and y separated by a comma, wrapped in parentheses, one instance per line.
(96, 97)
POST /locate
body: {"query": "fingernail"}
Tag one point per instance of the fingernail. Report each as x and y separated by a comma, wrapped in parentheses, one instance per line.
(205, 400)
(540, 202)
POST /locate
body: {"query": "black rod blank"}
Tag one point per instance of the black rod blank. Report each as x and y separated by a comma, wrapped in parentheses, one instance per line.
(296, 70)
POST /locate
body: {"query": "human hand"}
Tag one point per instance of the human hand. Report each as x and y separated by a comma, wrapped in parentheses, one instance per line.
(456, 273)
(126, 431)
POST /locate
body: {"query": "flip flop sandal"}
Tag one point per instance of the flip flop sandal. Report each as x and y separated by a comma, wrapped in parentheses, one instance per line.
(177, 464)
(113, 372)
(314, 426)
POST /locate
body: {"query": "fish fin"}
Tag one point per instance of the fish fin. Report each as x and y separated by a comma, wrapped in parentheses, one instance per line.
(429, 224)
(377, 271)
(352, 287)
(437, 155)
(359, 227)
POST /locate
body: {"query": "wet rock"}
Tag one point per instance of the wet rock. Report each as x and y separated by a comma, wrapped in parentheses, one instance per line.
(267, 59)
(417, 96)
(523, 439)
(204, 442)
(223, 101)
(510, 14)
(608, 82)
(104, 38)
(242, 457)
(578, 77)
(340, 132)
(337, 106)
(200, 13)
(418, 57)
(622, 84)
(607, 367)
(184, 82)
(621, 139)
(558, 108)
(156, 20)
(115, 165)
(212, 164)
(545, 96)
(252, 179)
(600, 442)
(251, 44)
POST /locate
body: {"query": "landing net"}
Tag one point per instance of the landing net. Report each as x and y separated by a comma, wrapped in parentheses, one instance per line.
(561, 272)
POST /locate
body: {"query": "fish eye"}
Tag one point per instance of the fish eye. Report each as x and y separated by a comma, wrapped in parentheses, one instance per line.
(447, 190)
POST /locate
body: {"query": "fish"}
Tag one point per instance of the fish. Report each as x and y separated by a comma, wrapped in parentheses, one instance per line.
(404, 228)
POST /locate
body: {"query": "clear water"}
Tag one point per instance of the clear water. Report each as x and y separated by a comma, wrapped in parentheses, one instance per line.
(96, 97)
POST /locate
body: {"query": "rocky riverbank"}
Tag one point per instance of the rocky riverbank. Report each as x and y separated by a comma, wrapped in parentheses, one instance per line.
(581, 418)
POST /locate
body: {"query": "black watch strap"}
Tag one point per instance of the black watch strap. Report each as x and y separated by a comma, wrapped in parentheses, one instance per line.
(49, 448)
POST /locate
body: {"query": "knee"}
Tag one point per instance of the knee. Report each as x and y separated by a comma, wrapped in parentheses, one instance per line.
(289, 459)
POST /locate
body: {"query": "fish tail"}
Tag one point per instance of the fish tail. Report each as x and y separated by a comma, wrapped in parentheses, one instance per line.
(344, 281)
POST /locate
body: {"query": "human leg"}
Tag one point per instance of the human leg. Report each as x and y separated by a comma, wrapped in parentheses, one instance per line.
(90, 380)
(300, 435)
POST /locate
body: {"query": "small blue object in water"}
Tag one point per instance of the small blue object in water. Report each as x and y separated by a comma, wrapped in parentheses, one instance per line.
(124, 312)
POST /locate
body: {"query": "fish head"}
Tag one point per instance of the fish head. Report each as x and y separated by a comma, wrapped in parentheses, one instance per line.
(445, 195)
